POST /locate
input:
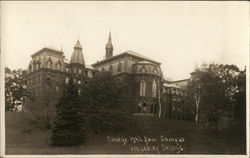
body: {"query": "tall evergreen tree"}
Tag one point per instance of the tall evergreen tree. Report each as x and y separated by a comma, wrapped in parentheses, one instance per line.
(68, 128)
(107, 103)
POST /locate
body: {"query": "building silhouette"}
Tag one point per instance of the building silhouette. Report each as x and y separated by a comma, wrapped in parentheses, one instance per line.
(49, 70)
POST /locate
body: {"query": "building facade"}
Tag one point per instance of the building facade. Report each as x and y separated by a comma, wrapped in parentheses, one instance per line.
(49, 70)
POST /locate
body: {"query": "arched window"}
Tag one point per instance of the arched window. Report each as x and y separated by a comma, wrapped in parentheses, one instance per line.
(154, 89)
(139, 109)
(49, 64)
(143, 88)
(79, 81)
(155, 70)
(152, 109)
(119, 68)
(58, 66)
(144, 107)
(90, 74)
(66, 80)
(67, 70)
(36, 66)
(75, 70)
(111, 69)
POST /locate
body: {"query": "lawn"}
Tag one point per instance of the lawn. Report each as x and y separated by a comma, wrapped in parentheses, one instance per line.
(22, 138)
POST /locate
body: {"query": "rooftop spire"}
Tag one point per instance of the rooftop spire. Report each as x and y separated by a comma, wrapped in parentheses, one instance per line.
(78, 44)
(77, 55)
(109, 47)
(109, 40)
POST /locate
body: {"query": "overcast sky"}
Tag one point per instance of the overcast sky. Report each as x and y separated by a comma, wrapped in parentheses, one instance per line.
(180, 35)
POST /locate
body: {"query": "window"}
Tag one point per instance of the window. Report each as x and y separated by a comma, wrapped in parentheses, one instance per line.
(48, 77)
(39, 65)
(58, 67)
(143, 88)
(173, 108)
(103, 70)
(67, 70)
(66, 80)
(143, 69)
(144, 107)
(119, 68)
(154, 89)
(36, 66)
(79, 81)
(111, 69)
(49, 64)
(90, 74)
(79, 71)
(155, 70)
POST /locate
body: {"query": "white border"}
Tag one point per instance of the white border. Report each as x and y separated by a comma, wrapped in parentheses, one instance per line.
(2, 100)
(2, 121)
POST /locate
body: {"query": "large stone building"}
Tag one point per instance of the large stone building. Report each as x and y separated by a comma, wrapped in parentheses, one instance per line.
(49, 70)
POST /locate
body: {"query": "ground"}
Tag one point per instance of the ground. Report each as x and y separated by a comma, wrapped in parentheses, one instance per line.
(195, 138)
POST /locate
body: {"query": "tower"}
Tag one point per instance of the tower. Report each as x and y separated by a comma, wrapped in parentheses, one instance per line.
(77, 56)
(109, 47)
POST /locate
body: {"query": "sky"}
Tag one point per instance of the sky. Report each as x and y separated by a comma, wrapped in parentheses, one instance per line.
(180, 35)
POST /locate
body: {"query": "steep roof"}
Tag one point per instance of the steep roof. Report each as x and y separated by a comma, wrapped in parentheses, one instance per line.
(78, 44)
(77, 55)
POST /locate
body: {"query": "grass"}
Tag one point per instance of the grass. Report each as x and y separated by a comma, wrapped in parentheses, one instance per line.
(22, 138)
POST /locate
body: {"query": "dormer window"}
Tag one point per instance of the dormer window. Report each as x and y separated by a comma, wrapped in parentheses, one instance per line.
(155, 71)
(143, 69)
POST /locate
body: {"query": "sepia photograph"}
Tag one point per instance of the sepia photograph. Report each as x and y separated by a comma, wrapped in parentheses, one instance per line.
(125, 78)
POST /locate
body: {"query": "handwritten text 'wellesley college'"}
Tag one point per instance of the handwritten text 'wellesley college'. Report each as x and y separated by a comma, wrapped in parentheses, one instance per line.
(146, 144)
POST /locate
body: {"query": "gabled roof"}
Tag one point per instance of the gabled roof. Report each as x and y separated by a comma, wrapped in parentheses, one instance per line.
(167, 79)
(171, 85)
(129, 53)
(133, 53)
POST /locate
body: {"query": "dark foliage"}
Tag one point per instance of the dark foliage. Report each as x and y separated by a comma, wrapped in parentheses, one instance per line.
(106, 103)
(15, 88)
(68, 129)
(221, 91)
